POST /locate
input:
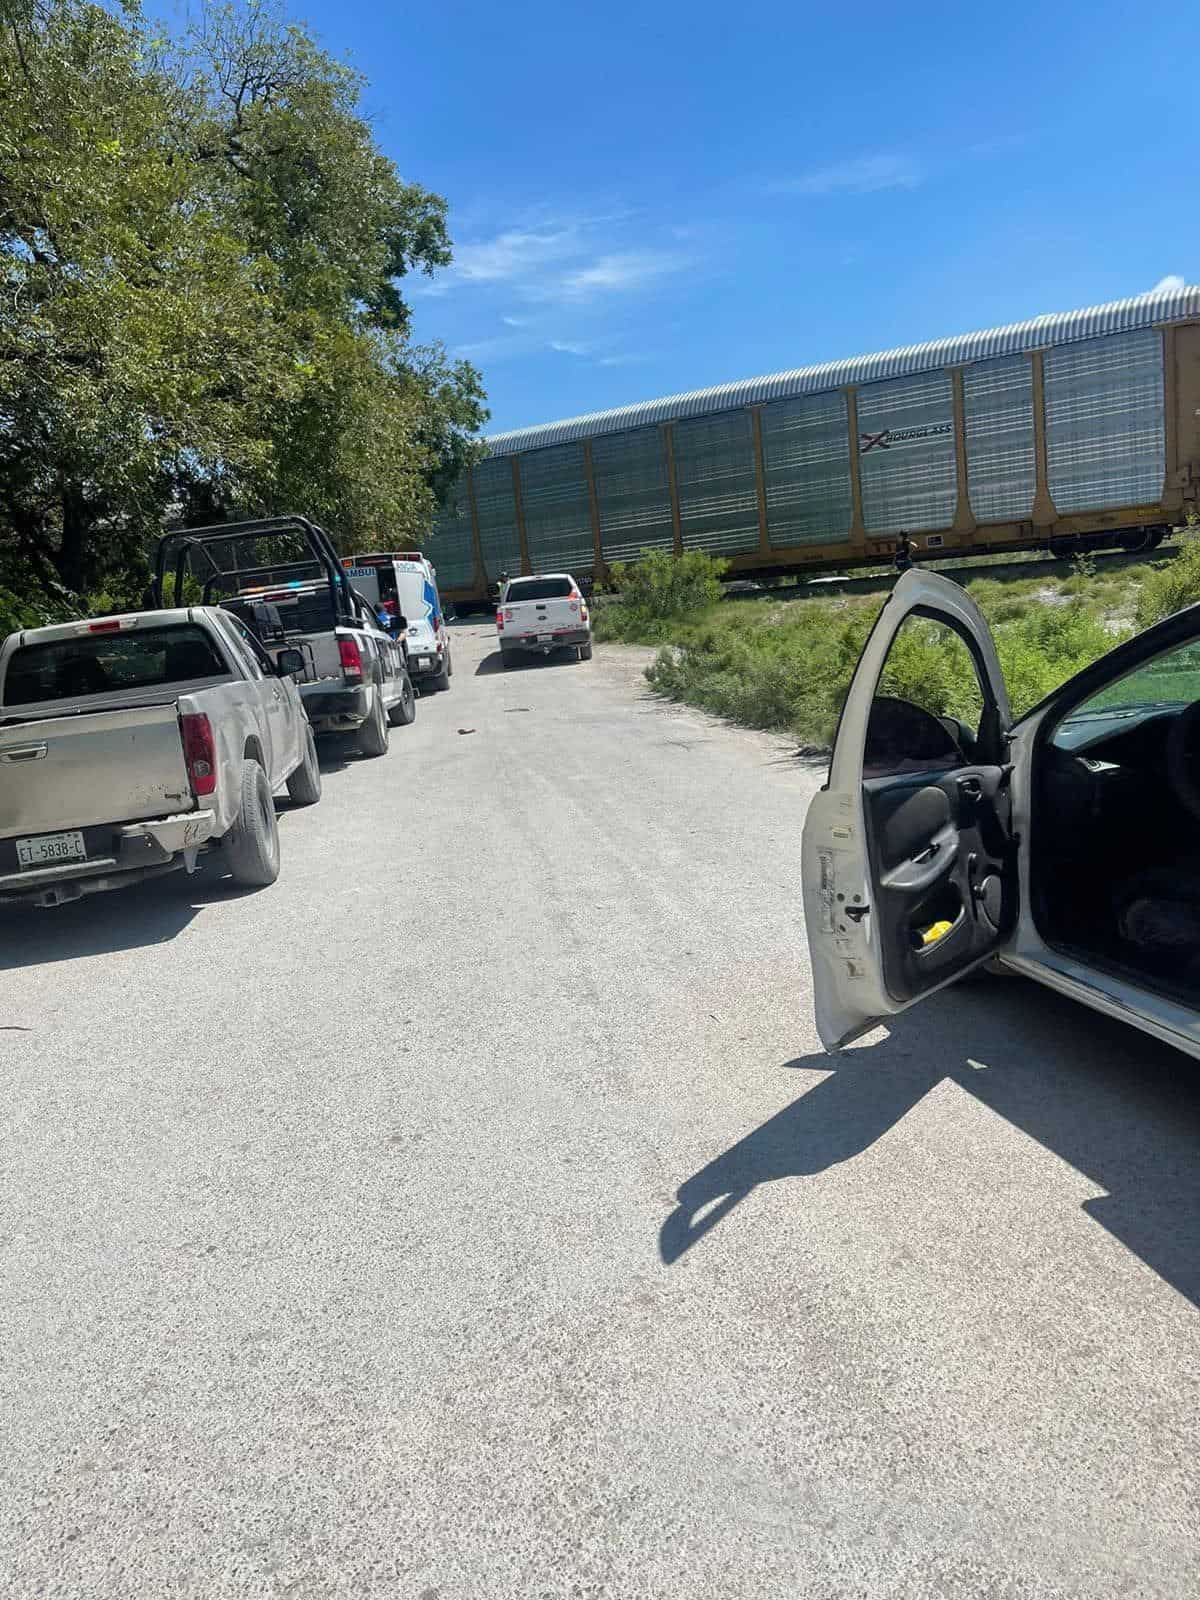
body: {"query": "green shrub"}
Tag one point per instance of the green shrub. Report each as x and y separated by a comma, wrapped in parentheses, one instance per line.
(1169, 588)
(658, 592)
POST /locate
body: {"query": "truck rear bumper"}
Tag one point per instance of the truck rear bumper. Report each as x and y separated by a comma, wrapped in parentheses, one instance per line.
(560, 638)
(424, 664)
(333, 706)
(131, 851)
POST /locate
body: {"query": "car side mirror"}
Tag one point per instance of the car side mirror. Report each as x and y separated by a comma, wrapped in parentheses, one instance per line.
(290, 663)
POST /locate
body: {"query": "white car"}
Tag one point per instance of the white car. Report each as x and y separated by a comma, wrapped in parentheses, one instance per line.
(1062, 844)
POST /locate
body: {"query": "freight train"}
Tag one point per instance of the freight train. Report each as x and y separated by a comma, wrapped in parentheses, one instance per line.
(1066, 432)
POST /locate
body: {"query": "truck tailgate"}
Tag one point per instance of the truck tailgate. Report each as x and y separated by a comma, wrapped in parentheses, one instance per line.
(118, 765)
(533, 617)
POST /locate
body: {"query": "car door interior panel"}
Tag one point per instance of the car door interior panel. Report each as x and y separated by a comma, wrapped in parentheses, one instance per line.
(940, 853)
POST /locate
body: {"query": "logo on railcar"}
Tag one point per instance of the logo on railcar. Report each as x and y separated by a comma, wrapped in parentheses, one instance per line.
(890, 436)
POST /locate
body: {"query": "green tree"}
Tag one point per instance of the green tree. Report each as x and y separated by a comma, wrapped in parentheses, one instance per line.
(200, 252)
(378, 430)
(136, 341)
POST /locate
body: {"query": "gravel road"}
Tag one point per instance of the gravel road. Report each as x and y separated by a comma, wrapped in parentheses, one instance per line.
(474, 1215)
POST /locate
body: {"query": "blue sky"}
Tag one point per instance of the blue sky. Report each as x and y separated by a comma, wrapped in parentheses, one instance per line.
(652, 198)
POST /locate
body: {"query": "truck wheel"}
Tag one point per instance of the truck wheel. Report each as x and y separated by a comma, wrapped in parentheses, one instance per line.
(585, 651)
(252, 844)
(373, 733)
(405, 709)
(304, 785)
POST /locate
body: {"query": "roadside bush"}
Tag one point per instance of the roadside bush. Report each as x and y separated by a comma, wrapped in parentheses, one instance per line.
(659, 591)
(1169, 588)
(1050, 645)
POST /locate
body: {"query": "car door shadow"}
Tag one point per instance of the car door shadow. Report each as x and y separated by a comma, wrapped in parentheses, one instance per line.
(1114, 1104)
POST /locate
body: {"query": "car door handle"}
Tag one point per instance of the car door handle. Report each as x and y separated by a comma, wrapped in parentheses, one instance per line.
(928, 853)
(27, 752)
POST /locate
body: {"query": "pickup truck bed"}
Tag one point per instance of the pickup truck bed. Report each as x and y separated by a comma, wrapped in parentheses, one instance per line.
(130, 744)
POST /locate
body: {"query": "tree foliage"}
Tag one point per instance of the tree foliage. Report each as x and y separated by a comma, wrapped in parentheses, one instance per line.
(201, 260)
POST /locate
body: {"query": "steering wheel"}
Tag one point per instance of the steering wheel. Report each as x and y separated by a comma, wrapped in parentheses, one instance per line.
(1183, 757)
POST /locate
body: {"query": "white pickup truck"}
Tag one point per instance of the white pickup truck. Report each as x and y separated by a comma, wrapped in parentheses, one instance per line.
(540, 614)
(130, 745)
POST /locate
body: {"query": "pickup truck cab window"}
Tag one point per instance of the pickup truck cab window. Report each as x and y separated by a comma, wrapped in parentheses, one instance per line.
(137, 658)
(537, 589)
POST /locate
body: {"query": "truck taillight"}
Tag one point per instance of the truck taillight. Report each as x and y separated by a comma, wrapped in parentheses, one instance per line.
(350, 657)
(199, 752)
(501, 618)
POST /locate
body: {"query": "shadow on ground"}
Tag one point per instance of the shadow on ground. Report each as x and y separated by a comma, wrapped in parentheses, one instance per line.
(153, 912)
(495, 662)
(125, 919)
(1114, 1104)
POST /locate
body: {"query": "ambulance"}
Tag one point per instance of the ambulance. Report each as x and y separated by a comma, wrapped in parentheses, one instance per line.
(404, 585)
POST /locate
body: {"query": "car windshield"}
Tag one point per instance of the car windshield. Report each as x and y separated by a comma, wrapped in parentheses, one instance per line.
(539, 589)
(1165, 683)
(103, 663)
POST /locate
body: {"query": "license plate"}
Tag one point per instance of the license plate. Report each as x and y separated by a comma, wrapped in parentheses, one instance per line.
(545, 638)
(48, 849)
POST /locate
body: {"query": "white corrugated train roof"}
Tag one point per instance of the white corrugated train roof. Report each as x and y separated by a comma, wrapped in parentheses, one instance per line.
(1119, 316)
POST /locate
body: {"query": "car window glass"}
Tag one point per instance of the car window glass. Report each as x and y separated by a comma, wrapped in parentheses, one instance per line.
(538, 589)
(141, 658)
(260, 662)
(928, 703)
(1171, 680)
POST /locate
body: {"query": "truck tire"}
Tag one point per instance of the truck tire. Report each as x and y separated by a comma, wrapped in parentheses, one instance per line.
(252, 844)
(405, 709)
(585, 651)
(373, 733)
(304, 785)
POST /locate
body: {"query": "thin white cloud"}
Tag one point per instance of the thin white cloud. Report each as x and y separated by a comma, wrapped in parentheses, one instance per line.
(497, 348)
(1173, 281)
(629, 359)
(563, 259)
(621, 272)
(515, 322)
(514, 254)
(570, 347)
(863, 175)
(1001, 145)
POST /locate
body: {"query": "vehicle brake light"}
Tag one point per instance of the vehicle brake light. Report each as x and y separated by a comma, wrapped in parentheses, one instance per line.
(199, 752)
(351, 658)
(501, 618)
(105, 627)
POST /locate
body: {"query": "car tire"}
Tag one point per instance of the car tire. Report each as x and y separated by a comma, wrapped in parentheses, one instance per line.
(252, 844)
(304, 785)
(373, 733)
(405, 709)
(585, 651)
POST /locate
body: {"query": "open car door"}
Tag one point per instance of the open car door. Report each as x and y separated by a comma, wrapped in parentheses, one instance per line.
(909, 868)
